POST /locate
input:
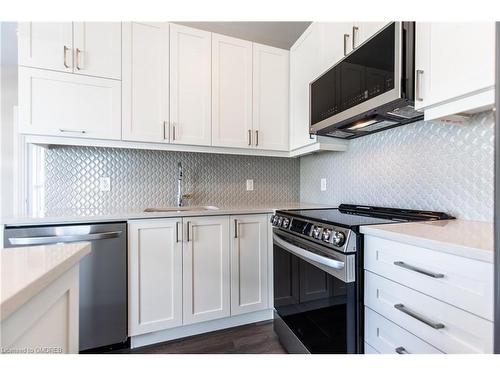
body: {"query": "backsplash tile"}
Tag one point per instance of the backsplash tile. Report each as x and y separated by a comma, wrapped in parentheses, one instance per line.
(146, 178)
(425, 165)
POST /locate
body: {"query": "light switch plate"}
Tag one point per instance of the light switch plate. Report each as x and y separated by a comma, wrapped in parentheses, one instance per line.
(104, 184)
(249, 185)
(323, 184)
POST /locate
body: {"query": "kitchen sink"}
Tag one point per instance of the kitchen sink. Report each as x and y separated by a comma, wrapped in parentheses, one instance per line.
(181, 209)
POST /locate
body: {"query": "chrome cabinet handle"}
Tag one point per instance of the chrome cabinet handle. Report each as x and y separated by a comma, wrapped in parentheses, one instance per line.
(28, 241)
(249, 137)
(164, 130)
(177, 231)
(72, 131)
(354, 30)
(173, 131)
(78, 59)
(345, 43)
(419, 270)
(187, 231)
(65, 62)
(256, 138)
(401, 350)
(417, 316)
(235, 228)
(418, 85)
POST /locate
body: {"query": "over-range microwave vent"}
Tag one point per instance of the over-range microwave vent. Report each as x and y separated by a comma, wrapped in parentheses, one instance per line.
(369, 90)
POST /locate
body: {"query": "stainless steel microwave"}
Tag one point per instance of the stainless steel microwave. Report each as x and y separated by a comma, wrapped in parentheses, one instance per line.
(369, 90)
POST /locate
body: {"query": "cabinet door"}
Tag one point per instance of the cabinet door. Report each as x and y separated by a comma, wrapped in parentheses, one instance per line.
(469, 45)
(55, 103)
(332, 40)
(145, 82)
(98, 48)
(305, 65)
(206, 269)
(190, 85)
(363, 31)
(270, 97)
(155, 275)
(231, 92)
(46, 45)
(249, 284)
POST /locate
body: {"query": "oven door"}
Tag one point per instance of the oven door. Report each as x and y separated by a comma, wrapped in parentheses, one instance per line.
(314, 297)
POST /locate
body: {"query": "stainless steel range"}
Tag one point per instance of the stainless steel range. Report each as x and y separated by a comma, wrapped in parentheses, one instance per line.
(318, 270)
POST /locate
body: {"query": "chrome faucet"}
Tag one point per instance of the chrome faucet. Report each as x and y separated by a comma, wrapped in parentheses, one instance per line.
(180, 203)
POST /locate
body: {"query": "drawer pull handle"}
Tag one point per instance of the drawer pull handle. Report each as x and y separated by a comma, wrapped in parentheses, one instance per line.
(419, 270)
(72, 131)
(417, 316)
(401, 350)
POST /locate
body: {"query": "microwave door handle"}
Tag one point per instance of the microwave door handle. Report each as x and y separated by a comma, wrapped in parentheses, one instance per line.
(332, 263)
(46, 240)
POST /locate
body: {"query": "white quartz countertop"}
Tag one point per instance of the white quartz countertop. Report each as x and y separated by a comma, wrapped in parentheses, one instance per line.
(25, 271)
(72, 218)
(469, 239)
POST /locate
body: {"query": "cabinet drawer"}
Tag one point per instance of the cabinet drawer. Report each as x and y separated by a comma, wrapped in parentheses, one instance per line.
(462, 282)
(388, 338)
(458, 331)
(65, 104)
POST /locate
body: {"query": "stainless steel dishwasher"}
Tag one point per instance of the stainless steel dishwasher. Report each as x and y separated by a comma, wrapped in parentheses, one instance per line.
(103, 277)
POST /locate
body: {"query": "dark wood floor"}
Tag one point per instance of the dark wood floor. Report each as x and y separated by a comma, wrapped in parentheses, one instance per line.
(257, 338)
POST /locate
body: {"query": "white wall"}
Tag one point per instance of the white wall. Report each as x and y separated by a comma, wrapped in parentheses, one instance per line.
(8, 88)
(425, 165)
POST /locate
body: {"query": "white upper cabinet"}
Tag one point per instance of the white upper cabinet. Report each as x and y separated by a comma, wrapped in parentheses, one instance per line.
(90, 48)
(454, 67)
(231, 92)
(47, 45)
(337, 41)
(155, 275)
(206, 269)
(362, 31)
(145, 82)
(249, 284)
(270, 97)
(97, 49)
(305, 65)
(61, 104)
(190, 85)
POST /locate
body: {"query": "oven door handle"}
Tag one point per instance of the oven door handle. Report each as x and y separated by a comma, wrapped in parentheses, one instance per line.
(332, 263)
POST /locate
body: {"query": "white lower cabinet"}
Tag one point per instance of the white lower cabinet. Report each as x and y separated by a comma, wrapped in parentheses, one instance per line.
(65, 104)
(184, 271)
(206, 286)
(447, 328)
(385, 337)
(249, 283)
(155, 275)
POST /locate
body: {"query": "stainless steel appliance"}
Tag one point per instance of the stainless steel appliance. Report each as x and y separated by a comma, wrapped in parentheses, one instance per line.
(103, 277)
(369, 90)
(318, 275)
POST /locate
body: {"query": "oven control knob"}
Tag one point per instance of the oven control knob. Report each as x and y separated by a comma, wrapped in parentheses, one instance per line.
(285, 223)
(271, 220)
(326, 235)
(316, 232)
(338, 238)
(275, 220)
(280, 220)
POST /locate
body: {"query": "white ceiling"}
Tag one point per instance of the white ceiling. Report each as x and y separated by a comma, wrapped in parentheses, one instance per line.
(277, 34)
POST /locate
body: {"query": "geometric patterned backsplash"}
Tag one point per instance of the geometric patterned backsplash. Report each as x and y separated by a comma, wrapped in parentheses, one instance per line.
(425, 165)
(148, 178)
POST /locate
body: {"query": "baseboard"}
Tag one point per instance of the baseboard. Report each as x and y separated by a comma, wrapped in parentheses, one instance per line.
(198, 328)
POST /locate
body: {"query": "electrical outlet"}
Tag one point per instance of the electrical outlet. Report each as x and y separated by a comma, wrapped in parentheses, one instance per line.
(104, 184)
(323, 184)
(249, 185)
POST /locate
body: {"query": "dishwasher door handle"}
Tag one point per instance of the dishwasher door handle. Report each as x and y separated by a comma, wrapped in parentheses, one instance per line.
(29, 241)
